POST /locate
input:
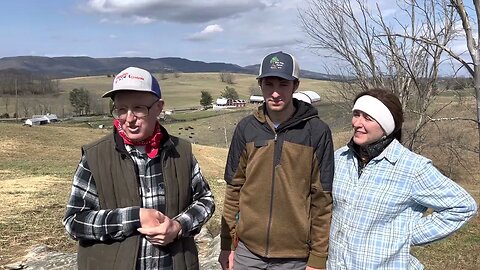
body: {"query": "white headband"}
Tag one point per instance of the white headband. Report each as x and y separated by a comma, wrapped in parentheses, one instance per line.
(377, 110)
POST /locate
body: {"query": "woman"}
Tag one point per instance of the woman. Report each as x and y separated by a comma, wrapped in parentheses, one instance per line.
(381, 191)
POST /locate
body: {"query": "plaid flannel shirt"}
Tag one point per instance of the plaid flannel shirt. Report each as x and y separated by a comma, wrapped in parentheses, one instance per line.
(85, 220)
(378, 216)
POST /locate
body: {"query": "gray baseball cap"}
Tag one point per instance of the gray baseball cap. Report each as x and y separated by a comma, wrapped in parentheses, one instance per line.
(279, 64)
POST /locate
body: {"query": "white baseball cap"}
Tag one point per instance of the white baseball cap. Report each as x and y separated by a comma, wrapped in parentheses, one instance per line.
(135, 79)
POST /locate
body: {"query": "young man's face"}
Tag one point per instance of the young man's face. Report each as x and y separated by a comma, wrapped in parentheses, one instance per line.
(138, 128)
(277, 93)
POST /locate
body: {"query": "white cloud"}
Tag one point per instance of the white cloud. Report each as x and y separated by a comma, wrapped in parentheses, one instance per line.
(185, 11)
(206, 33)
(274, 43)
(276, 27)
(213, 28)
(118, 6)
(235, 31)
(131, 53)
(142, 20)
(459, 47)
(388, 12)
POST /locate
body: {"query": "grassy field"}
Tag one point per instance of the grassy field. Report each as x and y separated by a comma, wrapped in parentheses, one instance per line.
(37, 164)
(184, 91)
(35, 177)
(181, 92)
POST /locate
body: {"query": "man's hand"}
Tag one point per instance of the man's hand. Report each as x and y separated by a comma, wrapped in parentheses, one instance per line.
(164, 230)
(226, 259)
(311, 268)
(150, 217)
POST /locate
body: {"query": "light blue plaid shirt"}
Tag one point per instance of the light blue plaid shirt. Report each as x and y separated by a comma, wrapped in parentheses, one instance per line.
(378, 216)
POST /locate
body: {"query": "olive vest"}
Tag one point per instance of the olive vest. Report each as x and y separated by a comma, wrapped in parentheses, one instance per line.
(117, 181)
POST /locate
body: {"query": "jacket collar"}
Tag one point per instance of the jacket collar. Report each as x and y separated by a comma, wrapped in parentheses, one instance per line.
(391, 153)
(303, 111)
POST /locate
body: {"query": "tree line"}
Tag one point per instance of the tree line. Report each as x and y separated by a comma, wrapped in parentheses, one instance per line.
(17, 82)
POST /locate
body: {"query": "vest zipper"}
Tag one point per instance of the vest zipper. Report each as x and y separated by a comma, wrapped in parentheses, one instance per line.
(165, 185)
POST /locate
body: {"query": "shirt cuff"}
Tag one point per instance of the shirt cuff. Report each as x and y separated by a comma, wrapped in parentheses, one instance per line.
(130, 227)
(185, 225)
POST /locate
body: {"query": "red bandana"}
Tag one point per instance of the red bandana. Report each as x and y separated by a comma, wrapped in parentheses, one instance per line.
(151, 144)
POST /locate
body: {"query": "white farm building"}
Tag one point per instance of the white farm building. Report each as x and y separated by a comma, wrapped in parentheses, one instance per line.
(256, 99)
(41, 119)
(307, 96)
(227, 103)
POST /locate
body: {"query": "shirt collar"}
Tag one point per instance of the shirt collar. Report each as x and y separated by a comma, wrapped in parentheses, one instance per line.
(391, 152)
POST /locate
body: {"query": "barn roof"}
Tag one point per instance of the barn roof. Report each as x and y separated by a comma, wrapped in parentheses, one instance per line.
(307, 96)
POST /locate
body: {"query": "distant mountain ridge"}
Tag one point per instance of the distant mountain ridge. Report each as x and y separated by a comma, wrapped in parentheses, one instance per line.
(76, 66)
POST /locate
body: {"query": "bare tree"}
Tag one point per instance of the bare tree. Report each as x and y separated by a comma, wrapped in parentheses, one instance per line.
(96, 104)
(473, 49)
(227, 77)
(255, 90)
(162, 74)
(23, 82)
(26, 108)
(7, 102)
(434, 20)
(454, 10)
(374, 55)
(44, 108)
(80, 101)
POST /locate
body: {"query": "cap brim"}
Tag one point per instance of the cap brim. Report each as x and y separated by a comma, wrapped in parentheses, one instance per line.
(277, 74)
(112, 92)
(109, 93)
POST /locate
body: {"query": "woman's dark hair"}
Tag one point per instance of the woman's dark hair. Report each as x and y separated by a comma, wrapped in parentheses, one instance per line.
(393, 104)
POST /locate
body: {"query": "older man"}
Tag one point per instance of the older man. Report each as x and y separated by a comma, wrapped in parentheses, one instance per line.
(138, 195)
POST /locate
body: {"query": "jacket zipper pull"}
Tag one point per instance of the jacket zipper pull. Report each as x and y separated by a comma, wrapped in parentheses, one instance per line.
(275, 139)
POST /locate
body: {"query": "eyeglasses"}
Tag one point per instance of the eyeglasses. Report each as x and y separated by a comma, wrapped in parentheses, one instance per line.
(138, 111)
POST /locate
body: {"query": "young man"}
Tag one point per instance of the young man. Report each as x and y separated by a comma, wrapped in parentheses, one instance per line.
(279, 176)
(138, 194)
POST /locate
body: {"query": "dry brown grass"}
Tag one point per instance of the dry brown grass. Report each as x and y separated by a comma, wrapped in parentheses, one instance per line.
(212, 162)
(35, 177)
(37, 164)
(31, 214)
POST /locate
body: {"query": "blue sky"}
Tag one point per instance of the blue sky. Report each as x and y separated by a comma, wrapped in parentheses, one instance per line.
(233, 31)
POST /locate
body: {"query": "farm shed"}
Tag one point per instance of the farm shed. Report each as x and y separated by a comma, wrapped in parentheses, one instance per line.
(224, 103)
(307, 96)
(256, 99)
(41, 119)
